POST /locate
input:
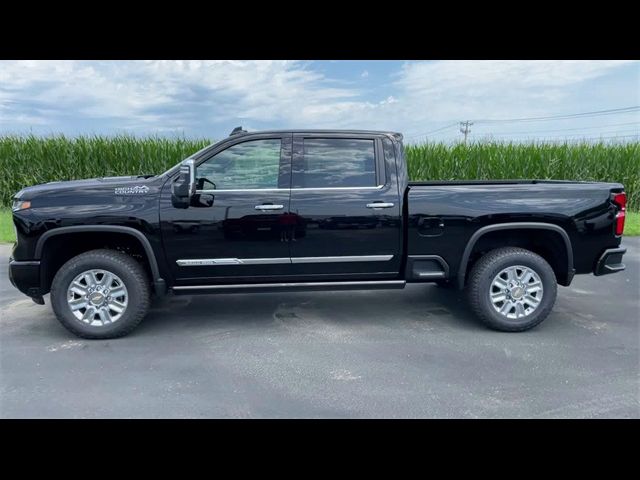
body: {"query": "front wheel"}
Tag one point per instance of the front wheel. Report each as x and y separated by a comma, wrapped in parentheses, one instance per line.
(512, 289)
(100, 294)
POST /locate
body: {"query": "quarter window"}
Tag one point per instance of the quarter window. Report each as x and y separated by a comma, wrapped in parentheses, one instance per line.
(249, 165)
(336, 162)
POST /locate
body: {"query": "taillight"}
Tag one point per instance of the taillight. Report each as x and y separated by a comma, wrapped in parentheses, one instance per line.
(620, 199)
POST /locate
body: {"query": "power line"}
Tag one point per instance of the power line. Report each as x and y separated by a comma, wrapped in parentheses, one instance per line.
(454, 124)
(570, 137)
(562, 129)
(596, 113)
(637, 135)
(605, 133)
(574, 136)
(580, 139)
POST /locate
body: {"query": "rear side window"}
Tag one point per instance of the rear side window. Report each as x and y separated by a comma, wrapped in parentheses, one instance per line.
(336, 162)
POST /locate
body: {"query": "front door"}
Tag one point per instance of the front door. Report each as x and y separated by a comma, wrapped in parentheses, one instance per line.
(233, 232)
(345, 204)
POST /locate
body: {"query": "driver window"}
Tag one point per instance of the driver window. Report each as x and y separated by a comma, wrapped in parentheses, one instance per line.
(249, 165)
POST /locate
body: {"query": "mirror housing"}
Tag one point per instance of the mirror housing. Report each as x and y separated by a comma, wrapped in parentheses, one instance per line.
(184, 188)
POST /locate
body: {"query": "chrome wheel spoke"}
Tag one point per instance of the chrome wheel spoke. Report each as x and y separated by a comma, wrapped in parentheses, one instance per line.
(76, 287)
(500, 283)
(498, 297)
(104, 316)
(117, 292)
(532, 301)
(116, 306)
(77, 304)
(89, 314)
(506, 307)
(534, 287)
(527, 275)
(520, 310)
(107, 279)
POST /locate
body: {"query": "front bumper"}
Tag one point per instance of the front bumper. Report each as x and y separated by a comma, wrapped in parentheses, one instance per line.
(25, 276)
(610, 261)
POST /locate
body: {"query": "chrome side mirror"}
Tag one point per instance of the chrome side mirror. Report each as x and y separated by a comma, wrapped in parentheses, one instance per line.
(184, 187)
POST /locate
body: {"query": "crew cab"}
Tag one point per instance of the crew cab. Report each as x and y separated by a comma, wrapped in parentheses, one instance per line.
(307, 210)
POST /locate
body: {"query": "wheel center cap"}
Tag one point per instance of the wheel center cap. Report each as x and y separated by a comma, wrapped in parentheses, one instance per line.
(96, 298)
(517, 292)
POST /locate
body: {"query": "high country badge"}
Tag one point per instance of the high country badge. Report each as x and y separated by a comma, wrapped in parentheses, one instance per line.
(137, 190)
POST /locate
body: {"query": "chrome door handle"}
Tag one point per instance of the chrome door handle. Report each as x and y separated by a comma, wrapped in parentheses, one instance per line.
(380, 205)
(269, 207)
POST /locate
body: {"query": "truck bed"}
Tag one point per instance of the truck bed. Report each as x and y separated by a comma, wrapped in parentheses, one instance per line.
(443, 215)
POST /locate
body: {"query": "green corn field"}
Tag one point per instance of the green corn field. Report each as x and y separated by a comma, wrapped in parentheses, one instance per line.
(29, 160)
(606, 162)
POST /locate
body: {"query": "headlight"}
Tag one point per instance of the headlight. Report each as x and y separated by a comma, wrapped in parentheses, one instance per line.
(20, 205)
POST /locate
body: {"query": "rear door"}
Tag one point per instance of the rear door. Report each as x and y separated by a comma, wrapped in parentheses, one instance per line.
(344, 219)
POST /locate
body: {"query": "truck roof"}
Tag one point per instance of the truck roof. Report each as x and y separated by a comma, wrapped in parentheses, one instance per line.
(239, 131)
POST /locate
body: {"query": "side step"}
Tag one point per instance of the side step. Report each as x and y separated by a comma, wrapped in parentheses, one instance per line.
(424, 268)
(289, 287)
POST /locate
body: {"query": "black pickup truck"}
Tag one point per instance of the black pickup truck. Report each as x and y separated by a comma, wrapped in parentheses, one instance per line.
(307, 210)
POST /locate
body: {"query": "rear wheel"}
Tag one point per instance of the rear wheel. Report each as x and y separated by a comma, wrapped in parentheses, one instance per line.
(100, 294)
(512, 289)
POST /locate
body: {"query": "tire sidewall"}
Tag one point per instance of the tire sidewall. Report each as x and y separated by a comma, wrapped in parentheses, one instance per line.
(76, 266)
(549, 286)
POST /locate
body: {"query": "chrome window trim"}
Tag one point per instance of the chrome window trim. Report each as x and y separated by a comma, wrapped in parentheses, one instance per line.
(298, 155)
(213, 192)
(379, 187)
(215, 262)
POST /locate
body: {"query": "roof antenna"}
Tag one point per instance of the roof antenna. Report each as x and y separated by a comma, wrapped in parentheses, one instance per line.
(237, 131)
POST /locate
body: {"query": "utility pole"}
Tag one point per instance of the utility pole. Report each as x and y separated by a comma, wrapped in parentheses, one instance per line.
(464, 128)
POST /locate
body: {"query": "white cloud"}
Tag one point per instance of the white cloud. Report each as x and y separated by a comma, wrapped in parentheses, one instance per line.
(264, 91)
(149, 96)
(479, 88)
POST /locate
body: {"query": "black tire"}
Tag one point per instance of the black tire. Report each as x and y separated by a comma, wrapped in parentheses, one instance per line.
(130, 272)
(481, 278)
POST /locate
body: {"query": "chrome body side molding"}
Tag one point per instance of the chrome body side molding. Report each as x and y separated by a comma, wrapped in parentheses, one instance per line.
(202, 262)
(207, 262)
(353, 258)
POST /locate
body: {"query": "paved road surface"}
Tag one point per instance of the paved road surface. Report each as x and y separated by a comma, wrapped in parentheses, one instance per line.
(410, 353)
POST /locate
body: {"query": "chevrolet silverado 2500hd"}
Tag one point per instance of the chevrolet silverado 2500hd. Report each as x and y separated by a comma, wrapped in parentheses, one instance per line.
(307, 210)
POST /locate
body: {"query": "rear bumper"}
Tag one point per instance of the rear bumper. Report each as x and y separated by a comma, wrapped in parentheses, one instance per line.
(25, 276)
(610, 261)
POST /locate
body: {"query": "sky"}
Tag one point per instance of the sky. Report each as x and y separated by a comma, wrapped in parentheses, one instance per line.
(425, 100)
